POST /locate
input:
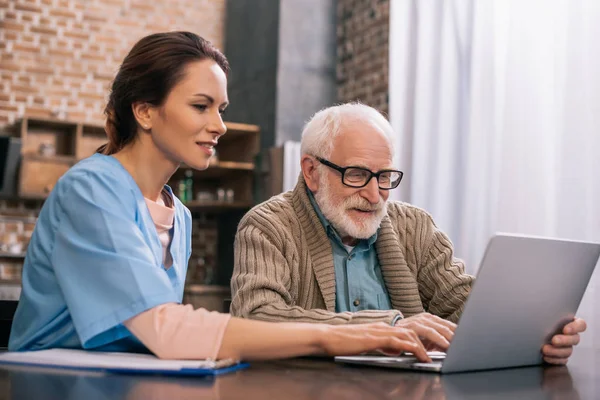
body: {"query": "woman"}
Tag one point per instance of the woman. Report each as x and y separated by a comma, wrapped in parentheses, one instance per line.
(106, 264)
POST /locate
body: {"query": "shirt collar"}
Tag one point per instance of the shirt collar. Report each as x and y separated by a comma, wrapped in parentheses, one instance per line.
(329, 228)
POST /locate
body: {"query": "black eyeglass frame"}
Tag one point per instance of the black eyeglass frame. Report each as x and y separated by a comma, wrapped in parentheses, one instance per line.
(343, 170)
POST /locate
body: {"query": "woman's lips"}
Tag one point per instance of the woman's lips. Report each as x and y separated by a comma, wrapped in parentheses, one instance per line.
(208, 148)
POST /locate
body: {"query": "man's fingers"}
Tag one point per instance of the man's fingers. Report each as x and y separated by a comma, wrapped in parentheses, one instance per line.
(436, 319)
(565, 340)
(557, 352)
(445, 328)
(441, 321)
(577, 326)
(556, 361)
(445, 331)
(430, 332)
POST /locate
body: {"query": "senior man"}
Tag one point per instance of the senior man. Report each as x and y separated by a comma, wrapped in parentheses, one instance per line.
(334, 250)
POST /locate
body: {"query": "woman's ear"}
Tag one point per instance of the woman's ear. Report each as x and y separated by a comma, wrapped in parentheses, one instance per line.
(310, 172)
(142, 113)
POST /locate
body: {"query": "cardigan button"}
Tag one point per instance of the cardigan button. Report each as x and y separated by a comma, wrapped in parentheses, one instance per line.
(356, 303)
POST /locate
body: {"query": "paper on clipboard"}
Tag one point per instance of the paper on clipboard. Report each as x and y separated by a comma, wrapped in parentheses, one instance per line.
(118, 362)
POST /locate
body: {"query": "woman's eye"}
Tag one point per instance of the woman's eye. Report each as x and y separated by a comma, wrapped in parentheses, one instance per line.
(201, 107)
(222, 111)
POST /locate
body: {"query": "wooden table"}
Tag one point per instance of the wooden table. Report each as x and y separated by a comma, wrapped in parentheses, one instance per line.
(314, 379)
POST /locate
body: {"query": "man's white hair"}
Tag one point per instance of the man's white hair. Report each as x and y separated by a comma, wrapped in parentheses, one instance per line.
(320, 131)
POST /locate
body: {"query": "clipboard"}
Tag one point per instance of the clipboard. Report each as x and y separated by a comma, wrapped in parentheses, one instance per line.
(119, 363)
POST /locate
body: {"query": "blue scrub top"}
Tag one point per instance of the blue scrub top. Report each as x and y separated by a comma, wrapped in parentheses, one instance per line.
(94, 261)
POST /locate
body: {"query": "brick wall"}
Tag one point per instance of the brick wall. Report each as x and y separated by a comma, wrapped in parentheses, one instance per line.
(59, 56)
(362, 51)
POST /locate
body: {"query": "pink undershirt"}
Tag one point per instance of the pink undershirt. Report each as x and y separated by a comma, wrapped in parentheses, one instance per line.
(171, 330)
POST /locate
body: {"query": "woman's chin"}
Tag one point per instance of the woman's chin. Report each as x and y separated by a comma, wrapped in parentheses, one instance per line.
(197, 164)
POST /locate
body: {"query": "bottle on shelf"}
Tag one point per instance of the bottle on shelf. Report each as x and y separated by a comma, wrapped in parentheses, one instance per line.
(220, 195)
(189, 185)
(181, 190)
(186, 187)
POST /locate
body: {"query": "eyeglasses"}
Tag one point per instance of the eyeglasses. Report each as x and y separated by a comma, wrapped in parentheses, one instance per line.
(358, 177)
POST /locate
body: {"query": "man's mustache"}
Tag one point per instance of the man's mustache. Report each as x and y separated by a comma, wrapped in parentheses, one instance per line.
(362, 204)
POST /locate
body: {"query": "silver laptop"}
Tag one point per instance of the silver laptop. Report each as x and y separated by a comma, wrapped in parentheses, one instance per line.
(526, 290)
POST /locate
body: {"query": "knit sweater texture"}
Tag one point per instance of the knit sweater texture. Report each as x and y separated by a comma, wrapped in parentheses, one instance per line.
(284, 267)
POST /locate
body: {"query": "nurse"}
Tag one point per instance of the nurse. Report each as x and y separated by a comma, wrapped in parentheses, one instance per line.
(106, 264)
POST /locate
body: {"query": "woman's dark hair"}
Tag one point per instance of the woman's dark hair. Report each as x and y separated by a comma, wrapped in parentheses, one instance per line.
(152, 68)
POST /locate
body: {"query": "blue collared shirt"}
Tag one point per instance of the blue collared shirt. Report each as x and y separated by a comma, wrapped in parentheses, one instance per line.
(359, 283)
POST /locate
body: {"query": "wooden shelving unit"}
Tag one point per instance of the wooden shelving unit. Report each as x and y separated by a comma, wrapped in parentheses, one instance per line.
(220, 170)
(232, 165)
(233, 169)
(65, 141)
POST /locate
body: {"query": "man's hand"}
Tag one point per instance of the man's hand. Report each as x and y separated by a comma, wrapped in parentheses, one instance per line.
(435, 333)
(560, 347)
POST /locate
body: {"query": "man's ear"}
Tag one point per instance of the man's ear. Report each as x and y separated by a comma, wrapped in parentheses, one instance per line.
(309, 172)
(143, 114)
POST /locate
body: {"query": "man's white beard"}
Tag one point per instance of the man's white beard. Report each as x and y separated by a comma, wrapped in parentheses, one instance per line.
(337, 214)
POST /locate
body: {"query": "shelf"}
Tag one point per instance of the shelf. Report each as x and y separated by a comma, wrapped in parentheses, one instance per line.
(60, 159)
(12, 256)
(225, 165)
(206, 289)
(222, 169)
(248, 166)
(58, 122)
(236, 128)
(17, 218)
(10, 282)
(53, 122)
(217, 206)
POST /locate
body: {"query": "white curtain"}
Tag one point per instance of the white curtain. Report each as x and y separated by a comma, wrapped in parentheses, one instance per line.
(291, 164)
(497, 108)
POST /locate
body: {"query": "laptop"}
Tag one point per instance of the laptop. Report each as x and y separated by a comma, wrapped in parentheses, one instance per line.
(526, 290)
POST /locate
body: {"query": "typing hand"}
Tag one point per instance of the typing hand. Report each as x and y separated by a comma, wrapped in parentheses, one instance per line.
(560, 347)
(435, 333)
(380, 337)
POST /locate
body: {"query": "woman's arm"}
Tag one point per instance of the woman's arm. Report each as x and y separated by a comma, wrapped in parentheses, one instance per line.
(258, 340)
(173, 331)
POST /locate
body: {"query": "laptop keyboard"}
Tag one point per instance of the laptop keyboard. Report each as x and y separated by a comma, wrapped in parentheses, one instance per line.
(405, 361)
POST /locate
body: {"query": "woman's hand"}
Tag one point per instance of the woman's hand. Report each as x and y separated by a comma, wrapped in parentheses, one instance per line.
(341, 340)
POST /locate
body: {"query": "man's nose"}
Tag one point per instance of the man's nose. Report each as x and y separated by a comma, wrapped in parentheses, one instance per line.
(371, 191)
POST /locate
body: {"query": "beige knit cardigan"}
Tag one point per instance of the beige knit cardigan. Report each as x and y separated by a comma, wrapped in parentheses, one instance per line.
(284, 268)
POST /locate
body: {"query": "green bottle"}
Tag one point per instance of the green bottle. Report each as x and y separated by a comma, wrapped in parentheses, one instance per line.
(189, 186)
(181, 190)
